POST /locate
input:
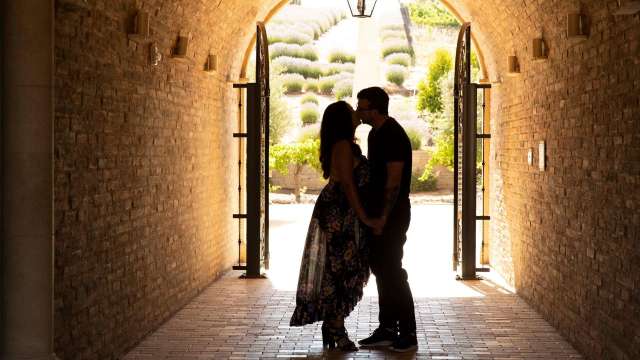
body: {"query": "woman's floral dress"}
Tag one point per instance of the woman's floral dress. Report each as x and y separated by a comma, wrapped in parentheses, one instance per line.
(335, 264)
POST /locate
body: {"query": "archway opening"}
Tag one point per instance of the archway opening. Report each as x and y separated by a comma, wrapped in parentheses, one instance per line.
(319, 54)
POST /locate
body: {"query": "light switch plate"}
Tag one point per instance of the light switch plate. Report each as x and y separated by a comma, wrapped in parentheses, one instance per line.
(530, 157)
(542, 149)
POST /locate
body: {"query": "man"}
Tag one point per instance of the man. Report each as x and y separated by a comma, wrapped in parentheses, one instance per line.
(390, 159)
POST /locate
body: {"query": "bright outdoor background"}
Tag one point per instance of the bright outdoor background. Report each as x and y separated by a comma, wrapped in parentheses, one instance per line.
(320, 54)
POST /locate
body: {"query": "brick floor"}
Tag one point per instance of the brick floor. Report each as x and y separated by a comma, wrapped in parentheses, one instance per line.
(240, 319)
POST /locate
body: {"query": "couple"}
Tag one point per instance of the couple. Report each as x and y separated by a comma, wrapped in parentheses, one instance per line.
(359, 223)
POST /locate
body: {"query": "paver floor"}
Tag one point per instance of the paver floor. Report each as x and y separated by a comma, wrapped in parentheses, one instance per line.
(249, 319)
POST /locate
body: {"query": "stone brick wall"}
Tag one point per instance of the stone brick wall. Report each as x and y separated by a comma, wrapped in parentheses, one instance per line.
(144, 167)
(567, 237)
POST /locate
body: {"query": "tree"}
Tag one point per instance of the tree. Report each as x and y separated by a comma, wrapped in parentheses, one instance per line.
(431, 13)
(442, 122)
(298, 154)
(429, 92)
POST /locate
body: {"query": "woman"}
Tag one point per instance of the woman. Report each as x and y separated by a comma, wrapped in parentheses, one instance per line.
(334, 265)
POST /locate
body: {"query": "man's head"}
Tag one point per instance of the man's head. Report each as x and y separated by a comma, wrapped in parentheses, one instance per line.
(373, 105)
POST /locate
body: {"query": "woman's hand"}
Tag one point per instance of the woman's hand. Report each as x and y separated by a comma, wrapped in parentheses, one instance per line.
(376, 224)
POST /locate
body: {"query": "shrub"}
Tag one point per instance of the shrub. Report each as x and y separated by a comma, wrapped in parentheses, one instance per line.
(308, 52)
(343, 89)
(309, 98)
(429, 97)
(311, 86)
(313, 71)
(392, 47)
(297, 19)
(398, 59)
(427, 181)
(396, 74)
(340, 56)
(283, 49)
(326, 85)
(293, 50)
(289, 37)
(311, 29)
(443, 154)
(304, 67)
(309, 114)
(337, 68)
(415, 138)
(292, 83)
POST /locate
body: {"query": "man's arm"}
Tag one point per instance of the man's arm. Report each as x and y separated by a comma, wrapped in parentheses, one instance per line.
(391, 189)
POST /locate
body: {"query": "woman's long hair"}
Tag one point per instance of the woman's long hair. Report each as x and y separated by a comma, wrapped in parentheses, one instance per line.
(336, 125)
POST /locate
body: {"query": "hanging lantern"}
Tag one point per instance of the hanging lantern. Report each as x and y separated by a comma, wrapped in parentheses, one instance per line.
(362, 10)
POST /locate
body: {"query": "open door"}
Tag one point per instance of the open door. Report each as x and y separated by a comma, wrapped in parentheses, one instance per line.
(466, 138)
(257, 163)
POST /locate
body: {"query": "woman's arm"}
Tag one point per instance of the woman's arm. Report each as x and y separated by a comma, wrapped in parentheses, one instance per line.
(342, 164)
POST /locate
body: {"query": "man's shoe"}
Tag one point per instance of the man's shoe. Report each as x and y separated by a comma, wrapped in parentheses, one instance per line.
(380, 337)
(405, 343)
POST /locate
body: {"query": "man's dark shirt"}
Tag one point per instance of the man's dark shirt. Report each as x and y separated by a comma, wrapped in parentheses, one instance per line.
(389, 143)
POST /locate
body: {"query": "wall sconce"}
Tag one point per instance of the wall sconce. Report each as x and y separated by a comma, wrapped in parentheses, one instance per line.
(180, 49)
(154, 55)
(513, 66)
(139, 27)
(212, 63)
(577, 26)
(540, 50)
(141, 24)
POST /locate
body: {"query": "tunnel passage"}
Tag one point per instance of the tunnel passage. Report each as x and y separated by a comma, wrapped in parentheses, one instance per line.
(144, 164)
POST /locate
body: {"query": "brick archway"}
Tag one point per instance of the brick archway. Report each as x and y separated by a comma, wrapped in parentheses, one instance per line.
(144, 158)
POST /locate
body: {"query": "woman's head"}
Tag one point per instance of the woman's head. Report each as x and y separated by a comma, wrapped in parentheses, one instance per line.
(338, 123)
